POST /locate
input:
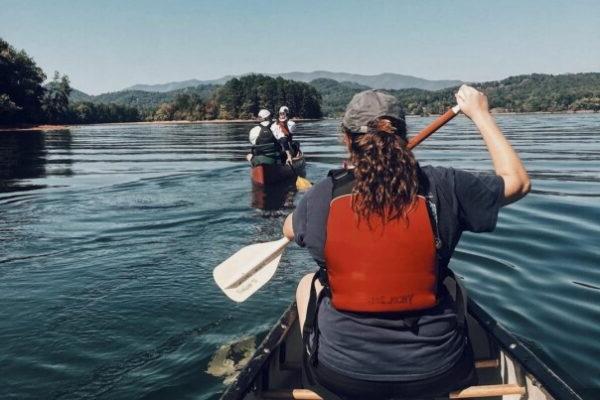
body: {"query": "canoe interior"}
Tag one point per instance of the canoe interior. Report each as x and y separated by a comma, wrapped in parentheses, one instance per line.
(265, 174)
(275, 368)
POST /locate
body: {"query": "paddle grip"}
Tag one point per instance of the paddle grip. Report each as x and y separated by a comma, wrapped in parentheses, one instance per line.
(432, 127)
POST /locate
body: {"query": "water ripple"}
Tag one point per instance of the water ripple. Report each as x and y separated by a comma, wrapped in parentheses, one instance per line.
(109, 233)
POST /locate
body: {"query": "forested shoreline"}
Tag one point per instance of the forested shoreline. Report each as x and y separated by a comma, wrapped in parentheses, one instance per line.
(25, 98)
(516, 94)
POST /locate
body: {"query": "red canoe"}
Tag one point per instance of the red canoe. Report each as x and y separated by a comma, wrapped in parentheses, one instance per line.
(265, 174)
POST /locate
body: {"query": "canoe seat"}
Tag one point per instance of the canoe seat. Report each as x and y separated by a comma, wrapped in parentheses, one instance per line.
(470, 392)
(467, 393)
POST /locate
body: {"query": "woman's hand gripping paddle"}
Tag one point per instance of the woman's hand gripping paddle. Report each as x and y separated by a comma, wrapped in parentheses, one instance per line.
(242, 274)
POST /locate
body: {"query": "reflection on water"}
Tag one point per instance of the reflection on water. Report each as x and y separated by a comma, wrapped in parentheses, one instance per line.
(109, 234)
(24, 157)
(274, 197)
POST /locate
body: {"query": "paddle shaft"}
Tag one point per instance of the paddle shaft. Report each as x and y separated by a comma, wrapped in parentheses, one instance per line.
(432, 127)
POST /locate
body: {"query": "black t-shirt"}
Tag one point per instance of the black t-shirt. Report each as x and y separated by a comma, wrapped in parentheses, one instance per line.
(382, 347)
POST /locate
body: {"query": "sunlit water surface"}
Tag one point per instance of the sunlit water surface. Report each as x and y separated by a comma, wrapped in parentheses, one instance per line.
(109, 234)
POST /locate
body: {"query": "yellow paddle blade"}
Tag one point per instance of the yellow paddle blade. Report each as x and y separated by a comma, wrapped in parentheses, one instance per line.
(303, 184)
(242, 274)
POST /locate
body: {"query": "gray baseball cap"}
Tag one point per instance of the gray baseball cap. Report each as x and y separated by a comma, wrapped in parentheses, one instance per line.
(369, 105)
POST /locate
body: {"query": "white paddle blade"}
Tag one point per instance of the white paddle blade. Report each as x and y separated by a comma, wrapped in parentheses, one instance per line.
(248, 287)
(249, 269)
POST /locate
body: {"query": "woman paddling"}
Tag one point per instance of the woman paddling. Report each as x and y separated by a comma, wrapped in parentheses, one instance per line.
(378, 322)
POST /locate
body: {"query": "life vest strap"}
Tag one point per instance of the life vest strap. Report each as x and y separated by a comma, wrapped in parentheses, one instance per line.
(311, 327)
(460, 298)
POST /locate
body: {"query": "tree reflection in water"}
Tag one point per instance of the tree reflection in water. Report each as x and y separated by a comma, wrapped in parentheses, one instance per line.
(24, 157)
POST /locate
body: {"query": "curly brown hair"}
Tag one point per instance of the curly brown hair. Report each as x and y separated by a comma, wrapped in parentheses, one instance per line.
(386, 171)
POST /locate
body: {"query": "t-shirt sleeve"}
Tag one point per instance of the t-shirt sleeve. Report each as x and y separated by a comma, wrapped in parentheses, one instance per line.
(300, 218)
(310, 218)
(479, 198)
(254, 132)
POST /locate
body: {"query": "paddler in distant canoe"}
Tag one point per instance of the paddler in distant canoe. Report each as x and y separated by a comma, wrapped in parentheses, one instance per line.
(378, 321)
(285, 126)
(269, 144)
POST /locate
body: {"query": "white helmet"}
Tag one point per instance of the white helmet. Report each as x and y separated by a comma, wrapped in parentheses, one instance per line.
(284, 109)
(264, 114)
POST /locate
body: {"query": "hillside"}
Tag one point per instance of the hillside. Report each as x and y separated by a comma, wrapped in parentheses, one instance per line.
(78, 95)
(171, 86)
(141, 99)
(381, 81)
(523, 93)
(335, 95)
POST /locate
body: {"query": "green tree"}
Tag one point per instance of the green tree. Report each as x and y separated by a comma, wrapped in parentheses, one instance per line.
(243, 97)
(55, 103)
(165, 112)
(21, 88)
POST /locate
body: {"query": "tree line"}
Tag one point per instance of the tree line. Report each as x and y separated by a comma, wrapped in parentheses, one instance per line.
(24, 99)
(523, 93)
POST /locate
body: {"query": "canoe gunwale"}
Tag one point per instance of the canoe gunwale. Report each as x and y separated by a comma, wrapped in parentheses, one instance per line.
(508, 343)
(515, 348)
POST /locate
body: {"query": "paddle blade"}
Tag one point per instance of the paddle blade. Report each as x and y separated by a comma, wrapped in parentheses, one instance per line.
(303, 184)
(242, 274)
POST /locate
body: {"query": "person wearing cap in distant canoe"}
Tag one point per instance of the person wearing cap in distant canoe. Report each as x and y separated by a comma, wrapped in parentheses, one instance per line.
(377, 318)
(269, 145)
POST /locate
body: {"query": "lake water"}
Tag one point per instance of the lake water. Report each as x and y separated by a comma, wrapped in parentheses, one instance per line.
(109, 234)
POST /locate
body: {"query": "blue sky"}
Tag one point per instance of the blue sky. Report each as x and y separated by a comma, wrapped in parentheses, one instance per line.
(108, 45)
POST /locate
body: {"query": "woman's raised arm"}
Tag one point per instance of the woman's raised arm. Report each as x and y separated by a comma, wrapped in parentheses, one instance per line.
(507, 163)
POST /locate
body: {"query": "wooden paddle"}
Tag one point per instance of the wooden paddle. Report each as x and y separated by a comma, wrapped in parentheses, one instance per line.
(242, 274)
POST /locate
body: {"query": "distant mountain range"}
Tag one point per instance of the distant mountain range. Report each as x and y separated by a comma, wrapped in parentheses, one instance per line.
(523, 93)
(381, 81)
(170, 86)
(141, 99)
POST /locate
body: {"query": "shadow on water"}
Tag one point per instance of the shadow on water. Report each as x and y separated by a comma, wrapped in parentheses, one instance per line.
(25, 156)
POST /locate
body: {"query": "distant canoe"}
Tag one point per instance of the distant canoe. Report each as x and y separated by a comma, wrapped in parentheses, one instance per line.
(506, 368)
(265, 174)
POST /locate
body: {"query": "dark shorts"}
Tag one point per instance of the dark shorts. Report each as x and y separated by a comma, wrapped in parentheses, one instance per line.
(458, 377)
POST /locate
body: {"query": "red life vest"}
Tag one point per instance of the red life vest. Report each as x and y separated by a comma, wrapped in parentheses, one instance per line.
(379, 266)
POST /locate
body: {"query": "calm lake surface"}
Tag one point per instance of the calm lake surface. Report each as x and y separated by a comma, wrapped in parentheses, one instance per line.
(109, 234)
